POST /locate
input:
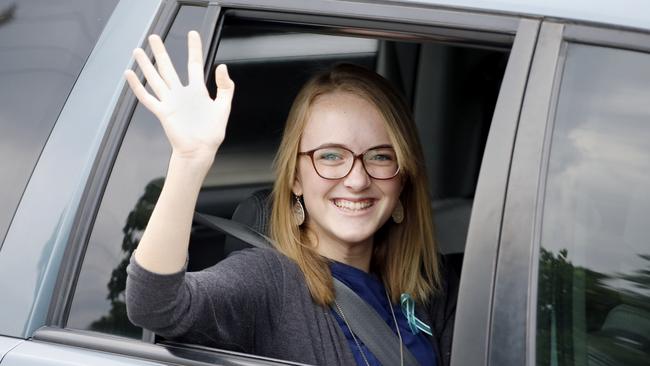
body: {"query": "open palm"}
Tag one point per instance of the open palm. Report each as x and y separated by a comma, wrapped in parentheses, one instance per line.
(194, 123)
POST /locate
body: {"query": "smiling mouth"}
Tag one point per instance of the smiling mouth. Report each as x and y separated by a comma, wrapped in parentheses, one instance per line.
(353, 205)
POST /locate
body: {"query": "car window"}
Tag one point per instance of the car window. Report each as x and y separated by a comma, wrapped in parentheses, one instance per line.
(269, 62)
(43, 47)
(132, 189)
(594, 284)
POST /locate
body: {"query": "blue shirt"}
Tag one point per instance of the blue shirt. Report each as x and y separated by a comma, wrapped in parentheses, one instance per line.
(371, 290)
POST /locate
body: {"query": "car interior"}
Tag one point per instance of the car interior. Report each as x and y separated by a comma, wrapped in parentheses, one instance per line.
(451, 87)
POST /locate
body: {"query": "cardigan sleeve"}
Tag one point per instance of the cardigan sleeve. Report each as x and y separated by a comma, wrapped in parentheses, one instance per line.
(221, 306)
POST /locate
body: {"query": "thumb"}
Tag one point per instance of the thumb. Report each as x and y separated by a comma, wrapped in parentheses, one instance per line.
(225, 86)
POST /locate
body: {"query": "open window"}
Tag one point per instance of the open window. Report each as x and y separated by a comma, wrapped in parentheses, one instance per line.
(451, 86)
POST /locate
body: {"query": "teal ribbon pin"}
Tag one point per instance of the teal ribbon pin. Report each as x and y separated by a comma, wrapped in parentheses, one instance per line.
(408, 308)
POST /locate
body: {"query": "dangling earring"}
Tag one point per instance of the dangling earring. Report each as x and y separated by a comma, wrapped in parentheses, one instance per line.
(298, 210)
(398, 213)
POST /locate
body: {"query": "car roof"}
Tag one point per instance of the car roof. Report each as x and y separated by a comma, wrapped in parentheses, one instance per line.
(623, 13)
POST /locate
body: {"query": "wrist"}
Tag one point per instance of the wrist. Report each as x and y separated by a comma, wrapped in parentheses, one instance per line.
(194, 160)
(193, 167)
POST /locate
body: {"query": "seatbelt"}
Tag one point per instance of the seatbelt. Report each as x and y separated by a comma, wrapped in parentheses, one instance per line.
(367, 324)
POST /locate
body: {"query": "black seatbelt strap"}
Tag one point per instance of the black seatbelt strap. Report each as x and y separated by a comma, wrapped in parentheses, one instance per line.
(362, 318)
(371, 328)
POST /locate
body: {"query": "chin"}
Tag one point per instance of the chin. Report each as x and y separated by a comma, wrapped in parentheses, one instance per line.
(354, 234)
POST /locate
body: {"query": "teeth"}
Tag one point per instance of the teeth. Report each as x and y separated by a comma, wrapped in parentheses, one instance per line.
(354, 206)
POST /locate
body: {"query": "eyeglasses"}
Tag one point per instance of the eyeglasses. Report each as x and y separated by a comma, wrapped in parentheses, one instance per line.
(336, 162)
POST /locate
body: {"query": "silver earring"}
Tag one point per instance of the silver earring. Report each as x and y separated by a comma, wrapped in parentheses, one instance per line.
(398, 213)
(298, 210)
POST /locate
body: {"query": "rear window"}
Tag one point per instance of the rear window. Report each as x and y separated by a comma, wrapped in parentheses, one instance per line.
(594, 283)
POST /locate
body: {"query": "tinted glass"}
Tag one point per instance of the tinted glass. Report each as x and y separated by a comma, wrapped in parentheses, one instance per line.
(132, 190)
(594, 278)
(43, 46)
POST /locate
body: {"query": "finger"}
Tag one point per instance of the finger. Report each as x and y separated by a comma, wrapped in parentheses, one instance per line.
(150, 73)
(141, 93)
(225, 86)
(194, 59)
(165, 66)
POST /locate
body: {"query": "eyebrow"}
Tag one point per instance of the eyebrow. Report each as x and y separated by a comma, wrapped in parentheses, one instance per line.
(329, 144)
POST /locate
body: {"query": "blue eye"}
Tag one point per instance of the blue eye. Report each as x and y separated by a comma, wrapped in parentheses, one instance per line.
(330, 156)
(382, 157)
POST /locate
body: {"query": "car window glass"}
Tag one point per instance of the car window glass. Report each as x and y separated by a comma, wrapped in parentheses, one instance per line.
(132, 189)
(43, 47)
(594, 284)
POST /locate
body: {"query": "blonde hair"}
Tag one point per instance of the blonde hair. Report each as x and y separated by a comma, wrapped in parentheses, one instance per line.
(404, 255)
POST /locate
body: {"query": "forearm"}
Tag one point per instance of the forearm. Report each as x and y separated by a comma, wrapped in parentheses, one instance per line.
(163, 246)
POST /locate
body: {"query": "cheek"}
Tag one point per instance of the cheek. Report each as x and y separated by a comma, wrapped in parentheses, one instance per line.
(392, 190)
(310, 184)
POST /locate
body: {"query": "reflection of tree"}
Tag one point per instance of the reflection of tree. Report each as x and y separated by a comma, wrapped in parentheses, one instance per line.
(7, 13)
(555, 283)
(116, 321)
(573, 305)
(639, 294)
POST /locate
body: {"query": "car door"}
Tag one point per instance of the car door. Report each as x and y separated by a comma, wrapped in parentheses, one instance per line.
(571, 285)
(97, 220)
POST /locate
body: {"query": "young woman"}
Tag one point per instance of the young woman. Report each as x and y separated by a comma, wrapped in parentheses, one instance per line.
(350, 201)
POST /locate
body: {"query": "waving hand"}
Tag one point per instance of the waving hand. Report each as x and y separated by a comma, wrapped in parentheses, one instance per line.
(194, 123)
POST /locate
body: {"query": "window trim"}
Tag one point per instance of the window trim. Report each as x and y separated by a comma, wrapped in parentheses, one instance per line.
(509, 343)
(345, 25)
(171, 353)
(474, 309)
(393, 12)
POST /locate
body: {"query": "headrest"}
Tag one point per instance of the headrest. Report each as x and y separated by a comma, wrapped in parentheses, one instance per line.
(254, 212)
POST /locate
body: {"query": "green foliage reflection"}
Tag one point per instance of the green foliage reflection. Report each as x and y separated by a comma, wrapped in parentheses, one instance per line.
(586, 317)
(116, 321)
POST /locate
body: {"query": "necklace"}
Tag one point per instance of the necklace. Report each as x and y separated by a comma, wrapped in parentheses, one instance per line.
(399, 334)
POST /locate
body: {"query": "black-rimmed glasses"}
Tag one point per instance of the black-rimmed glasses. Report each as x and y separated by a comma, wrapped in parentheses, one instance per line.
(336, 162)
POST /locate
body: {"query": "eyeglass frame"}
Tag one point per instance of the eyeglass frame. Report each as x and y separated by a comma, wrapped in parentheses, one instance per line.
(311, 152)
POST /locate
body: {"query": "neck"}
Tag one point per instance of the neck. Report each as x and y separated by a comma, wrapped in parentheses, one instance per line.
(357, 255)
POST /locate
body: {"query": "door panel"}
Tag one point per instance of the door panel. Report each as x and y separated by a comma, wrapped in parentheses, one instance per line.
(43, 354)
(6, 344)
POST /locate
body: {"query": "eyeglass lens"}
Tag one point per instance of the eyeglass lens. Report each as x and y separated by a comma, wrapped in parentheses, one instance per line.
(337, 162)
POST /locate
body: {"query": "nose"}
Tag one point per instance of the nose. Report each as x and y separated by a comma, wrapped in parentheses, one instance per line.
(358, 179)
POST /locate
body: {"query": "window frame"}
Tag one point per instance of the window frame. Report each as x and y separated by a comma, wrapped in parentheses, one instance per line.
(514, 319)
(427, 22)
(33, 248)
(108, 151)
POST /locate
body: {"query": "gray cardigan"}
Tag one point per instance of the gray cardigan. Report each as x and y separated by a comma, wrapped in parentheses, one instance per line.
(255, 301)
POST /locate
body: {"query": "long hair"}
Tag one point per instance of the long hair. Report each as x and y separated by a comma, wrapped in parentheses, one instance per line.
(404, 255)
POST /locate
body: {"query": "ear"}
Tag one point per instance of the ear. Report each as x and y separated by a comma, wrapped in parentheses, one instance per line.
(297, 186)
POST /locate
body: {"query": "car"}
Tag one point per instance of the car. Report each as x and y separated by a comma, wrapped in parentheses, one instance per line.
(534, 118)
